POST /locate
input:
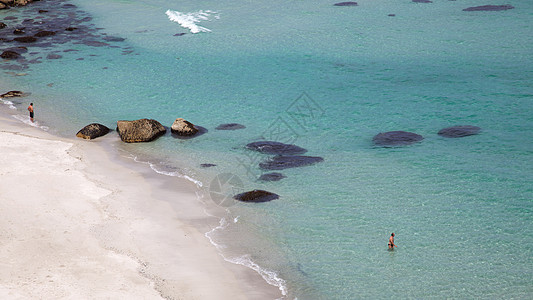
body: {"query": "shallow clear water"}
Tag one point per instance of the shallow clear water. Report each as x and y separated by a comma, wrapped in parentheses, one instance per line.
(328, 79)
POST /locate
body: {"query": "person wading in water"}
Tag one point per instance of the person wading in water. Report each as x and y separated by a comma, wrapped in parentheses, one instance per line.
(391, 242)
(30, 109)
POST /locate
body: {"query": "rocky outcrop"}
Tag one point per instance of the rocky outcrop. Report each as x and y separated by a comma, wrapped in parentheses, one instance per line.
(459, 131)
(12, 94)
(183, 127)
(292, 161)
(230, 126)
(256, 196)
(143, 130)
(277, 148)
(92, 131)
(274, 176)
(346, 4)
(489, 8)
(396, 138)
(11, 3)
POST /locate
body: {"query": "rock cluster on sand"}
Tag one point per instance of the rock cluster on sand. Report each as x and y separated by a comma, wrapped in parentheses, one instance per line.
(92, 131)
(459, 131)
(256, 196)
(396, 138)
(143, 130)
(183, 127)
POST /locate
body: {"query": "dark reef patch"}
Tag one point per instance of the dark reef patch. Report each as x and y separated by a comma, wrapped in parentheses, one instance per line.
(459, 131)
(396, 138)
(346, 4)
(230, 126)
(489, 8)
(277, 148)
(292, 161)
(274, 176)
(256, 196)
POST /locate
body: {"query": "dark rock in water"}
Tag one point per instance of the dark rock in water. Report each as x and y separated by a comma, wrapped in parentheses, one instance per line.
(42, 11)
(391, 15)
(274, 176)
(346, 4)
(207, 165)
(459, 131)
(422, 1)
(293, 161)
(396, 138)
(2, 25)
(94, 43)
(19, 31)
(53, 56)
(114, 39)
(71, 28)
(9, 55)
(489, 8)
(256, 196)
(180, 34)
(11, 94)
(183, 127)
(25, 39)
(230, 126)
(278, 148)
(143, 130)
(10, 18)
(92, 131)
(44, 33)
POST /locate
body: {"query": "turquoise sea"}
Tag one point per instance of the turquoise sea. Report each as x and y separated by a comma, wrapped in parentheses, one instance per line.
(326, 78)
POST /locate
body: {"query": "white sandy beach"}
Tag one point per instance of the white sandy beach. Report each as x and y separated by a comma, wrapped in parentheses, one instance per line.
(76, 223)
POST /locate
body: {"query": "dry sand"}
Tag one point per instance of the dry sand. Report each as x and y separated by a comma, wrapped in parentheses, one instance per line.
(76, 223)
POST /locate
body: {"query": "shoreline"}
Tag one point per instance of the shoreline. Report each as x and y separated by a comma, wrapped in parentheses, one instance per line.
(137, 231)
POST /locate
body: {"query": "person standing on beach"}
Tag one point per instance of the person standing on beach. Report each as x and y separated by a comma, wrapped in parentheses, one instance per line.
(30, 109)
(391, 242)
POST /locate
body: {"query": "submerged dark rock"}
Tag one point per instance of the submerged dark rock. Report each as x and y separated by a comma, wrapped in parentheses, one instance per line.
(207, 165)
(12, 94)
(292, 161)
(459, 131)
(346, 4)
(422, 1)
(256, 196)
(53, 56)
(270, 147)
(9, 55)
(26, 39)
(274, 176)
(92, 131)
(396, 138)
(19, 31)
(44, 33)
(143, 130)
(230, 126)
(489, 8)
(3, 25)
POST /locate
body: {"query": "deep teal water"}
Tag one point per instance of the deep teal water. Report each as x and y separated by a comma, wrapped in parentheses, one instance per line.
(328, 79)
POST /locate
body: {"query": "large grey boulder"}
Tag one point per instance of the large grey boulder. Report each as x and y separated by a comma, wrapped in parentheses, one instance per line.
(92, 131)
(143, 130)
(183, 127)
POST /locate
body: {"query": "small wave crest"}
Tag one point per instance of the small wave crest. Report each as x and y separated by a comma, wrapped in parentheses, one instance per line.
(26, 120)
(269, 276)
(191, 20)
(179, 174)
(8, 103)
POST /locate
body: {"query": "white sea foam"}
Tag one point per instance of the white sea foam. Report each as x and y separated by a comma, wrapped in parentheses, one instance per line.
(26, 120)
(198, 183)
(191, 20)
(8, 103)
(269, 276)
